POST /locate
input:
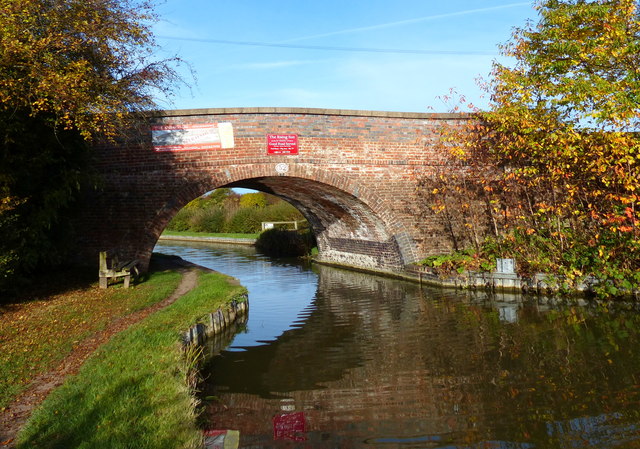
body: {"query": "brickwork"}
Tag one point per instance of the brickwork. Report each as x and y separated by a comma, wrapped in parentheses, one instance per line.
(354, 178)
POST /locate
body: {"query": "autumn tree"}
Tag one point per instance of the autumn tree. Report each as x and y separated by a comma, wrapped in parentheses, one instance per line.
(255, 199)
(561, 133)
(70, 70)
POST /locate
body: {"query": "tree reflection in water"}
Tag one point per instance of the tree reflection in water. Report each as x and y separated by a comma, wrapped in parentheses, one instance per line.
(377, 362)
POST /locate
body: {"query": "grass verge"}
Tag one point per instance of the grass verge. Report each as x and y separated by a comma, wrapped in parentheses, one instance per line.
(132, 393)
(43, 328)
(209, 234)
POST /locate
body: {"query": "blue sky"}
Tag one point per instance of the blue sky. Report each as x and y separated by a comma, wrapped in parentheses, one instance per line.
(455, 41)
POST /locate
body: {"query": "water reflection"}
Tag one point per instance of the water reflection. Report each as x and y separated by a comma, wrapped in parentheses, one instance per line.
(374, 362)
(279, 290)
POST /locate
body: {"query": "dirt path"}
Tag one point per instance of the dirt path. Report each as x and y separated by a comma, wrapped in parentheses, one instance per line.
(16, 414)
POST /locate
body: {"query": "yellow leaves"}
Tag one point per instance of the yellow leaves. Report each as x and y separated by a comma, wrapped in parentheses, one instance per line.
(63, 61)
(8, 203)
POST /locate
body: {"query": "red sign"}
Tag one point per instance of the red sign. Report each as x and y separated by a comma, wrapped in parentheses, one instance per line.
(282, 144)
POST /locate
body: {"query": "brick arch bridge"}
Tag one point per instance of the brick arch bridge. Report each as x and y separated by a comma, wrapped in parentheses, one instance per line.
(353, 175)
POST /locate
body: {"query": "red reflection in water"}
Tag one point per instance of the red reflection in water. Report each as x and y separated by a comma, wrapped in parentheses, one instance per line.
(289, 426)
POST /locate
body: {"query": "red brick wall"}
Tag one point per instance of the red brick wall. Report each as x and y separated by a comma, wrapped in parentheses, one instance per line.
(354, 179)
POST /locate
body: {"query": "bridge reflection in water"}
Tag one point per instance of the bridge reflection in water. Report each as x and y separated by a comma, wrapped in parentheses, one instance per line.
(374, 362)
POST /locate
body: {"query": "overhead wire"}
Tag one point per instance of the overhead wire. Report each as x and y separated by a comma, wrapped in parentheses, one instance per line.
(331, 48)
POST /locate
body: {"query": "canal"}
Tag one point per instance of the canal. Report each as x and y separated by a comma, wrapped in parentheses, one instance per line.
(339, 359)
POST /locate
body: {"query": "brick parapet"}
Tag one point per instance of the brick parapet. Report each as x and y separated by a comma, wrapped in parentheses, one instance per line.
(311, 111)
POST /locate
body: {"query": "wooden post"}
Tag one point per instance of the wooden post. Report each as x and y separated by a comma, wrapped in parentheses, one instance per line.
(102, 274)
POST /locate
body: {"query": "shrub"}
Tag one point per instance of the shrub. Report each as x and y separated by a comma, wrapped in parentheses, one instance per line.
(282, 211)
(245, 221)
(208, 220)
(257, 199)
(223, 213)
(281, 243)
(181, 221)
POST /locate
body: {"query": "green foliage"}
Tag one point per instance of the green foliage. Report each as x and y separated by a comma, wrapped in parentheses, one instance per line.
(181, 221)
(199, 219)
(41, 175)
(559, 120)
(256, 199)
(70, 72)
(245, 221)
(217, 213)
(553, 163)
(282, 243)
(457, 261)
(8, 251)
(208, 220)
(282, 211)
(216, 198)
(576, 66)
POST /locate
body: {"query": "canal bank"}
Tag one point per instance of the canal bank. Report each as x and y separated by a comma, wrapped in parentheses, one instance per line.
(503, 278)
(204, 239)
(505, 281)
(492, 282)
(134, 388)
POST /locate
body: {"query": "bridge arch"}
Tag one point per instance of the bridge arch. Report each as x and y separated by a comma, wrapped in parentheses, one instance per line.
(352, 224)
(354, 174)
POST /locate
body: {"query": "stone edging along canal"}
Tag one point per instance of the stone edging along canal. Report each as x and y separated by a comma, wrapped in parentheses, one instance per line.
(490, 281)
(218, 322)
(508, 283)
(232, 240)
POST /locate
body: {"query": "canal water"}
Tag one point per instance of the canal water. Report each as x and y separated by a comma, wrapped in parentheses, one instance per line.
(339, 359)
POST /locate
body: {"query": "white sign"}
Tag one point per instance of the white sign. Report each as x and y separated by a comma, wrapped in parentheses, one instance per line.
(505, 266)
(282, 168)
(192, 137)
